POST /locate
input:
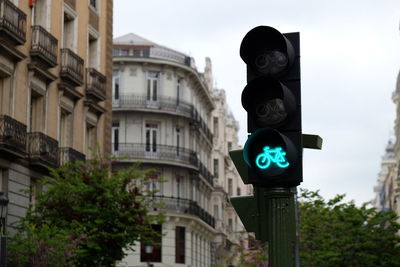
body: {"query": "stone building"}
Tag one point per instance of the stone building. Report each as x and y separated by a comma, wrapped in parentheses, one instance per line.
(55, 89)
(227, 182)
(162, 113)
(387, 193)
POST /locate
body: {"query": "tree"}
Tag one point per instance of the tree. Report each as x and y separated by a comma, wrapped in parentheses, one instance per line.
(43, 246)
(110, 210)
(334, 233)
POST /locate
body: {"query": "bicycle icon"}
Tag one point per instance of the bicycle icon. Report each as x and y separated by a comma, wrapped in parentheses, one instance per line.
(272, 155)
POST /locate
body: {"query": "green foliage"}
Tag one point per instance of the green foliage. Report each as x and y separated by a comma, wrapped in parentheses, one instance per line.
(109, 209)
(44, 246)
(255, 255)
(333, 233)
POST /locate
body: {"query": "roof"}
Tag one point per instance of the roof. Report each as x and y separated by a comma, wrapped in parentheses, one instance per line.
(133, 39)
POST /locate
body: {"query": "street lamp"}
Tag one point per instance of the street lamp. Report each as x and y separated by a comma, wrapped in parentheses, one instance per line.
(3, 238)
(149, 250)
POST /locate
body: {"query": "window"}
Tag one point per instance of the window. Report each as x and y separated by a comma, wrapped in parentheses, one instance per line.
(151, 137)
(115, 136)
(65, 128)
(125, 52)
(90, 138)
(116, 52)
(115, 85)
(152, 84)
(238, 191)
(178, 187)
(69, 30)
(216, 168)
(36, 114)
(155, 256)
(230, 186)
(180, 244)
(178, 140)
(229, 146)
(93, 3)
(215, 124)
(230, 224)
(178, 91)
(216, 212)
(93, 55)
(40, 14)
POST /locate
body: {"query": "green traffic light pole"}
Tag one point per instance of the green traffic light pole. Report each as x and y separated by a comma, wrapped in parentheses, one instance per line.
(278, 207)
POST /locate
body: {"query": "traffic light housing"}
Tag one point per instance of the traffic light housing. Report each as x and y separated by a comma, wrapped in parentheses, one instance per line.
(272, 99)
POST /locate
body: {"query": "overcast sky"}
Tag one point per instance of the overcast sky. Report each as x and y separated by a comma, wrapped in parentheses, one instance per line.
(350, 58)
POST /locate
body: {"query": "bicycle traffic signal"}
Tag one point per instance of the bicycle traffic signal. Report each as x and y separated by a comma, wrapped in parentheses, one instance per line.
(273, 151)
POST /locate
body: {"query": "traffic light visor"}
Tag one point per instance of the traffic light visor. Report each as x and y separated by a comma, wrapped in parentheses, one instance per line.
(266, 51)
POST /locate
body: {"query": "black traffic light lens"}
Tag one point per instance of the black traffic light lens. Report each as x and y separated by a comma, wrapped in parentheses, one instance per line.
(270, 111)
(271, 62)
(268, 102)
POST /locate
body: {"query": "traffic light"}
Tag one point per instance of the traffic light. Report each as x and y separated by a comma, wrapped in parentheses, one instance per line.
(273, 151)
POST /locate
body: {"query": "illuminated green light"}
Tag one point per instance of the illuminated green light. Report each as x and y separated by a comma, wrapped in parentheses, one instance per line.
(272, 155)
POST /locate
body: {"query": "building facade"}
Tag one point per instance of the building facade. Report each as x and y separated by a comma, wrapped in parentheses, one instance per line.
(227, 183)
(162, 112)
(55, 89)
(387, 193)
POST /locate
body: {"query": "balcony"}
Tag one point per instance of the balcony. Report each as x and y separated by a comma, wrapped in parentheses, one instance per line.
(12, 136)
(12, 23)
(158, 153)
(185, 206)
(198, 121)
(69, 154)
(44, 47)
(205, 173)
(42, 150)
(71, 67)
(163, 104)
(95, 85)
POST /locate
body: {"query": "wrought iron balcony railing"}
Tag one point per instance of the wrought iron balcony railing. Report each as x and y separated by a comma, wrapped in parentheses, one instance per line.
(44, 46)
(202, 125)
(42, 150)
(163, 103)
(71, 67)
(95, 84)
(12, 135)
(12, 22)
(70, 154)
(206, 173)
(185, 206)
(172, 154)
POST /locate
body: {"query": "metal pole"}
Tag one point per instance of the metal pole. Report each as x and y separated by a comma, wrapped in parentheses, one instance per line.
(278, 204)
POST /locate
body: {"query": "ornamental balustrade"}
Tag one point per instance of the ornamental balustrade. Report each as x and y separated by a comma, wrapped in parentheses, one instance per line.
(164, 103)
(71, 67)
(12, 22)
(142, 151)
(44, 45)
(42, 149)
(187, 206)
(13, 134)
(95, 84)
(69, 154)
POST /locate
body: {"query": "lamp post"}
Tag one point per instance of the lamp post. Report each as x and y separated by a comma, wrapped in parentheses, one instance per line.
(149, 250)
(3, 238)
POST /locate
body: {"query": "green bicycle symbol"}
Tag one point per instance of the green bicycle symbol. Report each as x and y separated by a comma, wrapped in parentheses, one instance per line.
(272, 155)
